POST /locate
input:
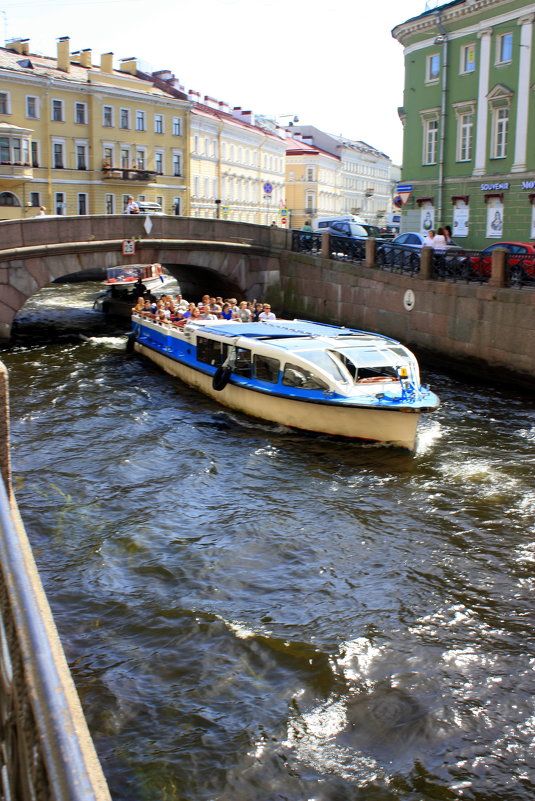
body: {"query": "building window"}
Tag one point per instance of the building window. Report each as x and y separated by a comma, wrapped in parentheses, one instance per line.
(196, 186)
(32, 107)
(35, 154)
(124, 119)
(57, 110)
(82, 203)
(500, 131)
(140, 159)
(125, 159)
(108, 156)
(58, 156)
(177, 165)
(504, 48)
(35, 199)
(81, 157)
(309, 204)
(158, 163)
(140, 121)
(430, 141)
(432, 72)
(176, 205)
(4, 103)
(110, 203)
(159, 199)
(158, 123)
(60, 205)
(468, 58)
(9, 199)
(310, 174)
(465, 128)
(107, 116)
(177, 126)
(80, 113)
(195, 144)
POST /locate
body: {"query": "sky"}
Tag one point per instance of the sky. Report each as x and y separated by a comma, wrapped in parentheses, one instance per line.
(333, 65)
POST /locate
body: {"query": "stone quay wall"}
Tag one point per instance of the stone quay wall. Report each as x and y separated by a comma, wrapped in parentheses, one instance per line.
(478, 327)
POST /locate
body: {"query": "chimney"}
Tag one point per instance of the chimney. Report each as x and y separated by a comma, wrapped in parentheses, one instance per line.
(106, 63)
(194, 96)
(128, 65)
(248, 116)
(223, 106)
(20, 46)
(236, 112)
(211, 102)
(64, 54)
(85, 59)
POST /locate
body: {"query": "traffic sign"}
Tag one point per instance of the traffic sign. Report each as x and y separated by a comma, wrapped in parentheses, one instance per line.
(284, 212)
(283, 220)
(268, 189)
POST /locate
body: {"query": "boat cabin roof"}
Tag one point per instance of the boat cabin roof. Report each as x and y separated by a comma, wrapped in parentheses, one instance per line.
(296, 334)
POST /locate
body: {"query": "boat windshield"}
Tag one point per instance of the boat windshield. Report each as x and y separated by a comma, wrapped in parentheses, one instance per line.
(365, 363)
(325, 361)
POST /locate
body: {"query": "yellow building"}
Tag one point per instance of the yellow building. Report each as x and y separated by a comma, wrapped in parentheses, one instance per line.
(79, 139)
(236, 166)
(312, 181)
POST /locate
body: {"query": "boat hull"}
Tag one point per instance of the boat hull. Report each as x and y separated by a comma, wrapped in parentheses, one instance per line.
(395, 427)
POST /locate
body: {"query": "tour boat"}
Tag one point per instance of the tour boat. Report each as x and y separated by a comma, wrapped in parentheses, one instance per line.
(124, 277)
(304, 375)
(122, 287)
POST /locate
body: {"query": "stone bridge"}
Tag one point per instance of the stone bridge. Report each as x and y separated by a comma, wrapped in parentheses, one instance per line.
(242, 257)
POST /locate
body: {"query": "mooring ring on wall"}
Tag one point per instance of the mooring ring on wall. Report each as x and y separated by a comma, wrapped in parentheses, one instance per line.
(409, 300)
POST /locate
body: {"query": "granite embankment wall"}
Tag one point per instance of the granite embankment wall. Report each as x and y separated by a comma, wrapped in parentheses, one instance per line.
(477, 328)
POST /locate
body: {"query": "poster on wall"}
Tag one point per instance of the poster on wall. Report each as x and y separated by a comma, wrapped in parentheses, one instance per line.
(495, 218)
(532, 235)
(427, 218)
(461, 214)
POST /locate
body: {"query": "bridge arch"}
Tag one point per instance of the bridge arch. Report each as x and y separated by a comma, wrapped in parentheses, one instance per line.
(37, 251)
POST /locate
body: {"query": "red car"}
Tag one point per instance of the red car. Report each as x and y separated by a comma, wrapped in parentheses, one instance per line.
(525, 264)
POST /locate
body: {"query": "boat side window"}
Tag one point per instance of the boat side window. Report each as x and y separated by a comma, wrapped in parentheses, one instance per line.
(242, 363)
(296, 376)
(266, 369)
(210, 351)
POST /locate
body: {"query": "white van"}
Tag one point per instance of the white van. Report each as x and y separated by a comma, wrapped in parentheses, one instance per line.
(322, 223)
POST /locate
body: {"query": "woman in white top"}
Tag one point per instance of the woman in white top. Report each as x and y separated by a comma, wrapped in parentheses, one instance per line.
(439, 242)
(429, 240)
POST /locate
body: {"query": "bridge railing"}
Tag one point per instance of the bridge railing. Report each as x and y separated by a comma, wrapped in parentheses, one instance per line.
(46, 752)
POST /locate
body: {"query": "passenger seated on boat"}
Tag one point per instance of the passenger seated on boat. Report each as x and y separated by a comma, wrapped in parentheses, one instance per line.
(266, 314)
(258, 309)
(140, 305)
(206, 314)
(227, 313)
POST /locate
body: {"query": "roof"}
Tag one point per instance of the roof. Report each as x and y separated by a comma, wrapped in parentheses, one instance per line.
(208, 111)
(296, 147)
(47, 66)
(285, 329)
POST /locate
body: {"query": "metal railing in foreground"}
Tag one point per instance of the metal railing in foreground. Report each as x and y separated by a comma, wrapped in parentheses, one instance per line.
(305, 242)
(46, 751)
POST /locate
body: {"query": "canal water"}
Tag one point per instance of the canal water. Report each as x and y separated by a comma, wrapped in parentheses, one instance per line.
(251, 614)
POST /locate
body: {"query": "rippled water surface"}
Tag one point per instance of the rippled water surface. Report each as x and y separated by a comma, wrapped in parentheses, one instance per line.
(253, 615)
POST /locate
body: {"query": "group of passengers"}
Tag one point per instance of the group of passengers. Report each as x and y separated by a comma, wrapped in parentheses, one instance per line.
(178, 311)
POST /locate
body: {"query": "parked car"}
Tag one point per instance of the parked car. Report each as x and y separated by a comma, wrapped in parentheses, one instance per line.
(404, 251)
(149, 208)
(481, 264)
(354, 230)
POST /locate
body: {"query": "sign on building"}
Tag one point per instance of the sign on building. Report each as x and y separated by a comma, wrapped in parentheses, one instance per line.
(495, 218)
(129, 247)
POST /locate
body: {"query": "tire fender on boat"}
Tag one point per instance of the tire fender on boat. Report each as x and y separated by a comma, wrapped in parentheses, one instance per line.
(221, 378)
(130, 343)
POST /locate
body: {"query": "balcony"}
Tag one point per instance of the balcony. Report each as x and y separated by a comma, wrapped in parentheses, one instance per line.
(10, 170)
(128, 174)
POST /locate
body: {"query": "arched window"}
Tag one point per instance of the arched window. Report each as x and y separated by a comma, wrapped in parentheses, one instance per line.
(9, 199)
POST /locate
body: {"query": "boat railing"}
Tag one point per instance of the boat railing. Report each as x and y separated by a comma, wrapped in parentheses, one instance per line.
(46, 751)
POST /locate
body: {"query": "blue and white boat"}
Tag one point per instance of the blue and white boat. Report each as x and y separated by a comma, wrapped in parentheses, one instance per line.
(305, 375)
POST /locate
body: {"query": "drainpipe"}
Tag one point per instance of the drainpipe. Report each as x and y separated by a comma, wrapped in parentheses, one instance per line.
(443, 40)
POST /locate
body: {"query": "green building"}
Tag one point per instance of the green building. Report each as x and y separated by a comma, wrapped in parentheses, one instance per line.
(469, 121)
